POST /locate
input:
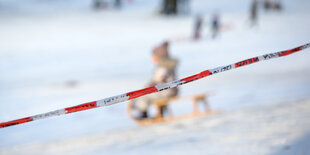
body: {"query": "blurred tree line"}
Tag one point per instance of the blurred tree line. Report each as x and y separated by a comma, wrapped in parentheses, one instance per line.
(168, 7)
(173, 7)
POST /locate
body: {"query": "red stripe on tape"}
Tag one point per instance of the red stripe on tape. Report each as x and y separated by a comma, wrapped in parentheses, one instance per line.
(288, 52)
(15, 122)
(81, 107)
(196, 76)
(141, 92)
(246, 62)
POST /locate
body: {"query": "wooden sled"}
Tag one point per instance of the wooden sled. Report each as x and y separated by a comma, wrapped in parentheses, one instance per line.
(158, 104)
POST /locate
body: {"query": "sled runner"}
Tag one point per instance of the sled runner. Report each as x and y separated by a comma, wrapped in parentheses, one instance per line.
(159, 105)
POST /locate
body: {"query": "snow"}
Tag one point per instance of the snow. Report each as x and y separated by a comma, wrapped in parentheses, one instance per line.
(44, 45)
(253, 130)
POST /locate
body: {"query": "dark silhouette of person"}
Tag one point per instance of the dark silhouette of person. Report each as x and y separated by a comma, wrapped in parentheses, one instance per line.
(253, 12)
(197, 27)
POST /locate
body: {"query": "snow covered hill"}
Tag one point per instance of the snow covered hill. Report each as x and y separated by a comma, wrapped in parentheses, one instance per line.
(280, 128)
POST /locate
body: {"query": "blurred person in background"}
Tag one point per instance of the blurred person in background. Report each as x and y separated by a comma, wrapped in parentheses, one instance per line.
(164, 71)
(253, 12)
(197, 27)
(215, 25)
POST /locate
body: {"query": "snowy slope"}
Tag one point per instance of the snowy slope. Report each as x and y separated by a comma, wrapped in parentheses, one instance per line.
(44, 45)
(278, 129)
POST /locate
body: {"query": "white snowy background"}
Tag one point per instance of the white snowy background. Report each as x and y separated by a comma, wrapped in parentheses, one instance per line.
(46, 45)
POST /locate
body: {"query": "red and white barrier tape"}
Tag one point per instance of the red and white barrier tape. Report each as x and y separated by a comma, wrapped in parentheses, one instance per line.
(138, 93)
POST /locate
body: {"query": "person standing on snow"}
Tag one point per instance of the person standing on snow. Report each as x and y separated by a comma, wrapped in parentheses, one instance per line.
(163, 72)
(197, 27)
(253, 13)
(215, 25)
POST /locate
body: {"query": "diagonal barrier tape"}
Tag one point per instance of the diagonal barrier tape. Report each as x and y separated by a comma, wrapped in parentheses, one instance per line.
(138, 93)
